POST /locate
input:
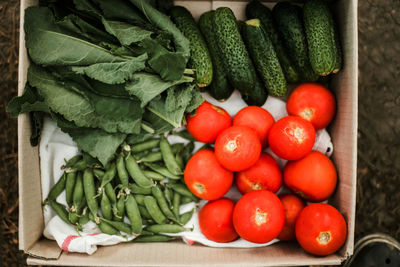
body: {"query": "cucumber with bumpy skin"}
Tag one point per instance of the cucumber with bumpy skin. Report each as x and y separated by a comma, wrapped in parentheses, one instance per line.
(220, 88)
(264, 57)
(200, 58)
(257, 10)
(318, 23)
(233, 51)
(290, 26)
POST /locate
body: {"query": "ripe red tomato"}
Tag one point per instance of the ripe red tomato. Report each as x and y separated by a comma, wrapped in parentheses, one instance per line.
(291, 138)
(313, 177)
(258, 216)
(264, 174)
(215, 220)
(313, 102)
(256, 118)
(205, 177)
(292, 205)
(208, 122)
(237, 148)
(320, 229)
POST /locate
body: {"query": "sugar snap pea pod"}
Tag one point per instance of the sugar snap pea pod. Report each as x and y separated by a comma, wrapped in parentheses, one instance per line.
(79, 166)
(90, 191)
(139, 199)
(179, 161)
(105, 207)
(73, 217)
(110, 193)
(185, 217)
(122, 172)
(162, 170)
(107, 228)
(145, 145)
(136, 173)
(120, 226)
(78, 197)
(166, 228)
(145, 214)
(144, 232)
(69, 187)
(154, 211)
(120, 208)
(153, 175)
(182, 189)
(153, 238)
(84, 217)
(176, 203)
(153, 156)
(168, 157)
(139, 190)
(109, 175)
(133, 213)
(60, 210)
(57, 189)
(186, 200)
(168, 194)
(98, 173)
(162, 203)
(72, 161)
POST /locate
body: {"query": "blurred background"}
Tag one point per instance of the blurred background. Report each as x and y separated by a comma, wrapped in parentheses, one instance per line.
(378, 184)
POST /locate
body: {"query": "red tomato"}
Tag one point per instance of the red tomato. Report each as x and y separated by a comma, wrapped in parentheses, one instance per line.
(205, 177)
(320, 229)
(215, 220)
(292, 205)
(256, 118)
(208, 122)
(237, 148)
(264, 174)
(291, 138)
(313, 102)
(258, 216)
(313, 177)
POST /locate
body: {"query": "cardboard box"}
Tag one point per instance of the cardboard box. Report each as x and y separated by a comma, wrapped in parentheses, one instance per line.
(343, 132)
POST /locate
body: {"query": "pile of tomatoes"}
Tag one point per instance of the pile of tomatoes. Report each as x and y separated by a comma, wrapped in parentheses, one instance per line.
(260, 215)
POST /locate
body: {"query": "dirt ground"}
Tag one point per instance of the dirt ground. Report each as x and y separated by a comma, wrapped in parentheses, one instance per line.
(378, 172)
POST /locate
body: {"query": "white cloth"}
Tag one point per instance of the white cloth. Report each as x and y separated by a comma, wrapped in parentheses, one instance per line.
(56, 146)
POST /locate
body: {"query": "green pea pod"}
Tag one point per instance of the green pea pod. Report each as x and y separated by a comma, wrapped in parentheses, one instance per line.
(107, 228)
(110, 193)
(162, 170)
(90, 191)
(154, 211)
(177, 147)
(168, 194)
(145, 145)
(168, 157)
(144, 232)
(133, 213)
(72, 161)
(186, 200)
(69, 187)
(73, 217)
(136, 173)
(165, 228)
(60, 210)
(182, 189)
(176, 203)
(162, 203)
(185, 217)
(122, 172)
(57, 189)
(78, 197)
(139, 190)
(153, 175)
(105, 207)
(79, 166)
(153, 238)
(179, 161)
(120, 208)
(153, 156)
(109, 175)
(84, 219)
(98, 173)
(187, 151)
(120, 226)
(144, 212)
(139, 199)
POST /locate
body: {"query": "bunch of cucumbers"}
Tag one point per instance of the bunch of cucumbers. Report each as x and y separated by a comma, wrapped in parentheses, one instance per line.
(262, 55)
(139, 193)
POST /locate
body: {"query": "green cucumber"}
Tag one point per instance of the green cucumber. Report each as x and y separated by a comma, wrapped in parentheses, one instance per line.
(259, 94)
(290, 25)
(220, 88)
(319, 32)
(233, 51)
(257, 10)
(200, 58)
(264, 57)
